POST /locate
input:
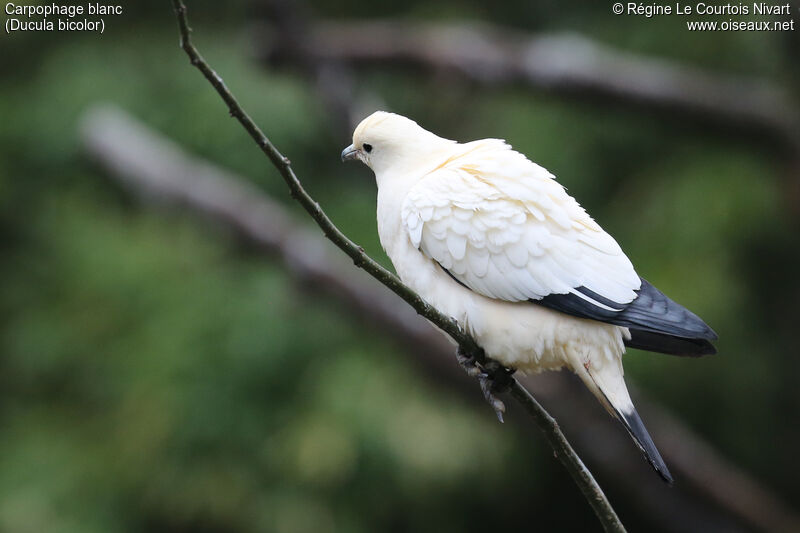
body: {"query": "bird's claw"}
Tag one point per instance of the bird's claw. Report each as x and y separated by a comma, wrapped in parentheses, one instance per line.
(500, 376)
(487, 384)
(468, 363)
(493, 379)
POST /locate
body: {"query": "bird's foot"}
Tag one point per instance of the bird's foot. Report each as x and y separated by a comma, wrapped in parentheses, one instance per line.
(500, 376)
(493, 379)
(468, 363)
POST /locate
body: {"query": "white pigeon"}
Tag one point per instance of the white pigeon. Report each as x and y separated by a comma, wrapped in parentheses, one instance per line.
(491, 239)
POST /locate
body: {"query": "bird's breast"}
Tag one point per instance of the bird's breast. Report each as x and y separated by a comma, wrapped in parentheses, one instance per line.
(523, 335)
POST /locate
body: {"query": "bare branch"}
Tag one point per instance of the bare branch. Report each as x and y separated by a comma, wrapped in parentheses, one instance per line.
(566, 454)
(561, 64)
(152, 166)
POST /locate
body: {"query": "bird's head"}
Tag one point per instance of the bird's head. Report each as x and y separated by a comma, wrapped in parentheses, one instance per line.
(385, 141)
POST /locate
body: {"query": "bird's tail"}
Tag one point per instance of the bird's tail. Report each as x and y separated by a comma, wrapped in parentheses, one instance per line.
(607, 383)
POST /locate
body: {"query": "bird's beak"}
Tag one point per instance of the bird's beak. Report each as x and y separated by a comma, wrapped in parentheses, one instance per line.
(350, 153)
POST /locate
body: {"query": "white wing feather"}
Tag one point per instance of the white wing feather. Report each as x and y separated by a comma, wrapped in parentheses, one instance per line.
(505, 228)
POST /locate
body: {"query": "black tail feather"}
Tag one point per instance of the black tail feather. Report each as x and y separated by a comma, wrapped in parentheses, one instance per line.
(633, 423)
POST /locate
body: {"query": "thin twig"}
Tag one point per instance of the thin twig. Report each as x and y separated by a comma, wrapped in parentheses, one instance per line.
(562, 448)
(568, 457)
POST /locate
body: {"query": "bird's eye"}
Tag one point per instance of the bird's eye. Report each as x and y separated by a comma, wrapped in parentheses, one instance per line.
(367, 147)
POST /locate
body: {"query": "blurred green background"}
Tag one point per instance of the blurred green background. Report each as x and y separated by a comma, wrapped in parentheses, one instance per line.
(154, 376)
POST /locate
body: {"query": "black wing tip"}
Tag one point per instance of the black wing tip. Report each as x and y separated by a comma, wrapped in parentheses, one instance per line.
(633, 423)
(709, 349)
(705, 333)
(654, 311)
(651, 311)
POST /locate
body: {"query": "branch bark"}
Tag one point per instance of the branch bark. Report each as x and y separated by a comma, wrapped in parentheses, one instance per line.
(563, 64)
(154, 167)
(467, 345)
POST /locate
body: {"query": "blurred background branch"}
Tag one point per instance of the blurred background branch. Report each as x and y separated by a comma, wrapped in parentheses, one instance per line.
(711, 494)
(563, 64)
(567, 65)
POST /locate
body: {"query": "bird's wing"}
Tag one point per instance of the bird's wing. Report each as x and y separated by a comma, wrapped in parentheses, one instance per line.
(503, 227)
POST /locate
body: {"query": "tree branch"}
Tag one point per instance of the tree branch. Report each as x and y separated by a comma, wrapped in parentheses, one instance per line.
(152, 166)
(568, 457)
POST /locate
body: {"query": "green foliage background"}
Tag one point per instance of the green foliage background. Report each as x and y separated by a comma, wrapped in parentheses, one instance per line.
(154, 376)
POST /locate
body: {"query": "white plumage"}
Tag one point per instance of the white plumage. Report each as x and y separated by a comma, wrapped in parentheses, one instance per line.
(503, 226)
(492, 239)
